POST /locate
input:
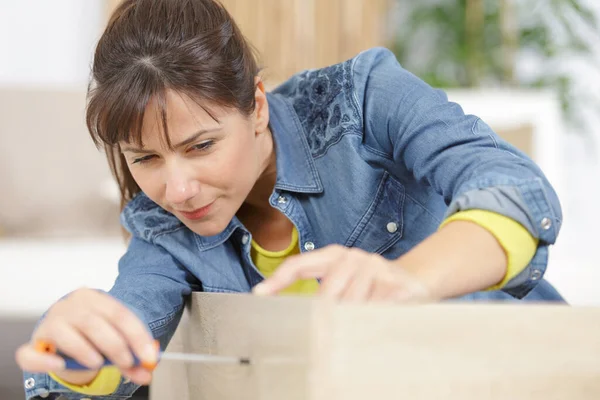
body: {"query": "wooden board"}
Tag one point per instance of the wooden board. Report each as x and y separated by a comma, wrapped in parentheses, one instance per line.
(170, 379)
(274, 330)
(459, 352)
(307, 349)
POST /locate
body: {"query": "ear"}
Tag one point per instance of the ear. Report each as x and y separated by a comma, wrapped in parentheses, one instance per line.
(261, 112)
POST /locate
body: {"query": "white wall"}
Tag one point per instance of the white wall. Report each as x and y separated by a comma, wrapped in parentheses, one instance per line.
(48, 43)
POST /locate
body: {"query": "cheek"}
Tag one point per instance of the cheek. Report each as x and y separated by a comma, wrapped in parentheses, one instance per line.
(238, 164)
(147, 181)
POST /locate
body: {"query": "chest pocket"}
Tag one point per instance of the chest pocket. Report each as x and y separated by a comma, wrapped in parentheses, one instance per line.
(382, 224)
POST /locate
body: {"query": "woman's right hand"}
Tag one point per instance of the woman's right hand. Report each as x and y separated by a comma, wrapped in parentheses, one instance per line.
(86, 325)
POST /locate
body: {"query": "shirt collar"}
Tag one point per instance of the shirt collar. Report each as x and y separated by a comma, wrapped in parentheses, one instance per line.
(296, 170)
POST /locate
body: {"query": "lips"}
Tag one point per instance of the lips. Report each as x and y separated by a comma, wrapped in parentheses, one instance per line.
(196, 214)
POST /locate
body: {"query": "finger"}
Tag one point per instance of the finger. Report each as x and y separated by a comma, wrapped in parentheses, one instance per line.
(103, 335)
(360, 288)
(380, 294)
(31, 360)
(338, 279)
(403, 296)
(306, 266)
(283, 278)
(409, 296)
(138, 375)
(387, 293)
(133, 330)
(72, 343)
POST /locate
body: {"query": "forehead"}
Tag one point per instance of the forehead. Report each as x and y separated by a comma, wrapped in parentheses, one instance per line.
(176, 108)
(176, 116)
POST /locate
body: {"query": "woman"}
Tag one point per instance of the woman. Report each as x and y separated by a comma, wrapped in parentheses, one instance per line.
(387, 189)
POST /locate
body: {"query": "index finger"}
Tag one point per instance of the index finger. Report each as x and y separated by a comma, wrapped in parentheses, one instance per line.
(136, 334)
(304, 266)
(30, 359)
(281, 280)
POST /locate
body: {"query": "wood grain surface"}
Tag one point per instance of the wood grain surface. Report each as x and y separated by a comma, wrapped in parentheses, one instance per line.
(273, 333)
(458, 351)
(308, 349)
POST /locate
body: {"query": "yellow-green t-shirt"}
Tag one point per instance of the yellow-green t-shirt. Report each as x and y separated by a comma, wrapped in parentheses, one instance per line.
(268, 261)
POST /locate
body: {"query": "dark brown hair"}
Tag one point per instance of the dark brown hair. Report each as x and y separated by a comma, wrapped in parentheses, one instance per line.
(193, 47)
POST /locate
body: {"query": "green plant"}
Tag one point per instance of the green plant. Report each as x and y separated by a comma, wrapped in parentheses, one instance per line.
(475, 43)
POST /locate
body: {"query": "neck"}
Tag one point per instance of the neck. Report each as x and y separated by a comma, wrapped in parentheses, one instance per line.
(258, 198)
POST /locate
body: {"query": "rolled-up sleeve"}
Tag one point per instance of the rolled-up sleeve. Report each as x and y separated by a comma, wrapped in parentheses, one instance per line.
(456, 154)
(43, 387)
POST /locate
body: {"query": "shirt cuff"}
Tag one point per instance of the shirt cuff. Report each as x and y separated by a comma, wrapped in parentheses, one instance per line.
(106, 382)
(518, 244)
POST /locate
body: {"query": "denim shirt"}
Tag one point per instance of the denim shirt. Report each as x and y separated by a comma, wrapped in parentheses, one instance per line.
(368, 156)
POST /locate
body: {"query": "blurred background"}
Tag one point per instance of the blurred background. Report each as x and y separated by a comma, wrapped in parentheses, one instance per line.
(530, 68)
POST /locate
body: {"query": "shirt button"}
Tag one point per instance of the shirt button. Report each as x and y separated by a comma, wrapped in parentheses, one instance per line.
(546, 223)
(29, 383)
(44, 394)
(392, 227)
(245, 239)
(309, 246)
(282, 200)
(536, 274)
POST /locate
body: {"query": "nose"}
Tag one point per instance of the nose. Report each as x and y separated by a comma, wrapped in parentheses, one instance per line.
(180, 186)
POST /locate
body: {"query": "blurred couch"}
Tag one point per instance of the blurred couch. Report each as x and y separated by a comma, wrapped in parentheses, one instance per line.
(54, 182)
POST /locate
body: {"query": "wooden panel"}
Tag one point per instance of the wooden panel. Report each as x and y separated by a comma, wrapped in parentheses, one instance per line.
(170, 379)
(305, 39)
(274, 333)
(458, 352)
(327, 24)
(272, 31)
(352, 35)
(307, 349)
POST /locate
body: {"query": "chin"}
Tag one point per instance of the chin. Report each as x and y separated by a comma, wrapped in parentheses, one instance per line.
(207, 228)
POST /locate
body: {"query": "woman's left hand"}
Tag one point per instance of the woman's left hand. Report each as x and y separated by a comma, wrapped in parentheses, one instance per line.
(348, 274)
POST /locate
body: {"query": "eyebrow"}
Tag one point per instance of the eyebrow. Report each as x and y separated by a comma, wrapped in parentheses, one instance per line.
(187, 141)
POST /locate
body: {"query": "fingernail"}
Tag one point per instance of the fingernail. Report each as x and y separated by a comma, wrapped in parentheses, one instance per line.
(261, 289)
(57, 365)
(150, 353)
(149, 366)
(95, 361)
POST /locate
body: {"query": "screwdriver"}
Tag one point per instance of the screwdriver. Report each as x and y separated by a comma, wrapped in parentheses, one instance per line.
(72, 364)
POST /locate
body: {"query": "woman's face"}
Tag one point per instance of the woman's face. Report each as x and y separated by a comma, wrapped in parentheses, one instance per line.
(212, 167)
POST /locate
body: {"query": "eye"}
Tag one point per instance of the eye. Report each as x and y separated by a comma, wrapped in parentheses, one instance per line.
(204, 145)
(144, 159)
